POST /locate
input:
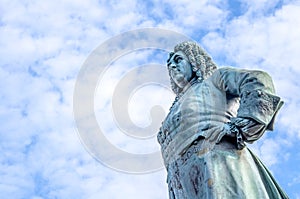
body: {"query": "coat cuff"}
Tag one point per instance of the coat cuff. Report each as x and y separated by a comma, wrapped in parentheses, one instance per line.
(260, 106)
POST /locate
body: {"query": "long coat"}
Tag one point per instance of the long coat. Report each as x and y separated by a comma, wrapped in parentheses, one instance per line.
(199, 163)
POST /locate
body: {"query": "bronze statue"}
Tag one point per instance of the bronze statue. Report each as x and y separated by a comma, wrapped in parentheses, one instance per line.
(215, 112)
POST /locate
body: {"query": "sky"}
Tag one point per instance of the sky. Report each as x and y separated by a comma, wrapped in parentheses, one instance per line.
(47, 45)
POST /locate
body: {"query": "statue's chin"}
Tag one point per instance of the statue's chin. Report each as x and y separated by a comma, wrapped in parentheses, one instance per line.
(182, 85)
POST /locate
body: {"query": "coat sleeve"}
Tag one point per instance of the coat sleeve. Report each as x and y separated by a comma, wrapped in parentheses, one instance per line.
(255, 89)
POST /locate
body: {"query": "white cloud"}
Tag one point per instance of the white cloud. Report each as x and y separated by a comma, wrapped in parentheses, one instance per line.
(43, 46)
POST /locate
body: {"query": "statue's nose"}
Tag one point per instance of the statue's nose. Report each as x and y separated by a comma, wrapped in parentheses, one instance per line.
(173, 65)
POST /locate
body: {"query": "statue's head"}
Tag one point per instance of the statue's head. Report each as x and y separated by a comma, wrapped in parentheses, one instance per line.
(189, 62)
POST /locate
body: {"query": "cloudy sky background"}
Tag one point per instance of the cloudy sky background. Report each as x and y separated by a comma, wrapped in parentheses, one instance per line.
(44, 45)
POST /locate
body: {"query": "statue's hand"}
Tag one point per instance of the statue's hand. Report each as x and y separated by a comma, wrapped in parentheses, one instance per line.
(250, 129)
(245, 129)
(229, 130)
(233, 129)
(243, 123)
(242, 129)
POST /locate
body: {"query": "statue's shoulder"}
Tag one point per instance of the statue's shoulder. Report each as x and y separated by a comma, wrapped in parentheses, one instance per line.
(227, 69)
(231, 73)
(239, 70)
(218, 73)
(223, 70)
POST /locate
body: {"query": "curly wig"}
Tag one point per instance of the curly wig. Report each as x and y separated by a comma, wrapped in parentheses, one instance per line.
(202, 64)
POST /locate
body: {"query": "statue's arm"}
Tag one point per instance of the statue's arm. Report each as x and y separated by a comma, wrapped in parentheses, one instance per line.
(258, 102)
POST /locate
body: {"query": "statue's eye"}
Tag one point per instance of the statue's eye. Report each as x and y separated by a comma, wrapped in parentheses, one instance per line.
(178, 59)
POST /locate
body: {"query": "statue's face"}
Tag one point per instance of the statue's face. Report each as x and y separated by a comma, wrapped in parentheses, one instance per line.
(180, 69)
